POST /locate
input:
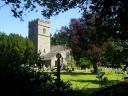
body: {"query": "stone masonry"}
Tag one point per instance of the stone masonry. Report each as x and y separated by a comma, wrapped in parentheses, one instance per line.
(39, 33)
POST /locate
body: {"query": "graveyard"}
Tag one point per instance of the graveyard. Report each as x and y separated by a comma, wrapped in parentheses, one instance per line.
(64, 47)
(88, 82)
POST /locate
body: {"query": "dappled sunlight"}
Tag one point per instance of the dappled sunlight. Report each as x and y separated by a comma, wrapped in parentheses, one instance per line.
(82, 80)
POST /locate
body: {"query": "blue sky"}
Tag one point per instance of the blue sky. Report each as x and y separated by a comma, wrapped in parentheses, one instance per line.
(9, 24)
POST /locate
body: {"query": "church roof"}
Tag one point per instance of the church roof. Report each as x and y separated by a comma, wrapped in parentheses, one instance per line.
(49, 56)
(54, 50)
(57, 48)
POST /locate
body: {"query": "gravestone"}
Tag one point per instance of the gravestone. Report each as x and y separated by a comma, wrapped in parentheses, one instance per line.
(100, 75)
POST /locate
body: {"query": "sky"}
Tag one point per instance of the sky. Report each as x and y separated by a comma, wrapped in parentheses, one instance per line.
(10, 24)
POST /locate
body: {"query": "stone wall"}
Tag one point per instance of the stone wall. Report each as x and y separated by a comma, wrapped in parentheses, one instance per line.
(39, 33)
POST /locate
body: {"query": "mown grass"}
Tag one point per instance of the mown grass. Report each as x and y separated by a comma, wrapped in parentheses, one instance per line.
(87, 82)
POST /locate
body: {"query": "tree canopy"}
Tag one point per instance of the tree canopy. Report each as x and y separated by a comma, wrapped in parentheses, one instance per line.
(48, 7)
(113, 13)
(60, 38)
(112, 19)
(15, 49)
(17, 78)
(84, 40)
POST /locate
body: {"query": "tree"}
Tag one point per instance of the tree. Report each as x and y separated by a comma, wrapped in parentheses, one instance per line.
(84, 40)
(26, 82)
(19, 79)
(49, 7)
(113, 20)
(54, 39)
(115, 53)
(60, 38)
(15, 50)
(85, 62)
(114, 13)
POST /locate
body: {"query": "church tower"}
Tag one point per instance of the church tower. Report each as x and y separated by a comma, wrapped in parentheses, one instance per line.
(39, 33)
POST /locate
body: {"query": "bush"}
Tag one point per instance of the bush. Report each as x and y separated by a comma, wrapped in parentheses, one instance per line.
(27, 82)
(119, 89)
(105, 81)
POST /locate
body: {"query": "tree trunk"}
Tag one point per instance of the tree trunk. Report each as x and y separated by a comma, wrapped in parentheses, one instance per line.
(95, 67)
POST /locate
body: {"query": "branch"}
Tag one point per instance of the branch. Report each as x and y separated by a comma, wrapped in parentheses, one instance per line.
(2, 5)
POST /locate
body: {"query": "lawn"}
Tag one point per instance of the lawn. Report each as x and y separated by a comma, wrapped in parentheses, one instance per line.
(82, 80)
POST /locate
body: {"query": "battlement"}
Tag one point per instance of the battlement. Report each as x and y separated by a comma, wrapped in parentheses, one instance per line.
(39, 33)
(40, 22)
(43, 21)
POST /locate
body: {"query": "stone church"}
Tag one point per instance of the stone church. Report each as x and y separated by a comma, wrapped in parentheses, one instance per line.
(39, 33)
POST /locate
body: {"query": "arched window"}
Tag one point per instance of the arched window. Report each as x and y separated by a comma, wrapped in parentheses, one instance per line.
(44, 31)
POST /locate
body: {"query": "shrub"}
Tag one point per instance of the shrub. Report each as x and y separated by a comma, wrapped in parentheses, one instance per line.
(105, 81)
(27, 82)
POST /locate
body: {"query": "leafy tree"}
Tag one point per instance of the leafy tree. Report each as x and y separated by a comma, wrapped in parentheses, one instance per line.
(49, 7)
(60, 38)
(113, 13)
(85, 62)
(84, 40)
(19, 79)
(115, 53)
(113, 18)
(54, 39)
(70, 61)
(24, 81)
(14, 50)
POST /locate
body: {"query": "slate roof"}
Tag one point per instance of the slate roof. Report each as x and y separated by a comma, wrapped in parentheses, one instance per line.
(54, 50)
(49, 56)
(57, 48)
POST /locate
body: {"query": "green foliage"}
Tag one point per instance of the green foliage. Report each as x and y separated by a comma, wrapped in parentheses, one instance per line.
(54, 40)
(24, 81)
(17, 74)
(85, 62)
(105, 81)
(60, 38)
(15, 49)
(119, 89)
(115, 53)
(114, 15)
(88, 82)
(70, 61)
(49, 8)
(112, 21)
(14, 52)
(84, 40)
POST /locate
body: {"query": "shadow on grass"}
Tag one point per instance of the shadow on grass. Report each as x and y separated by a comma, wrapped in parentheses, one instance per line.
(80, 92)
(89, 81)
(95, 81)
(119, 89)
(75, 73)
